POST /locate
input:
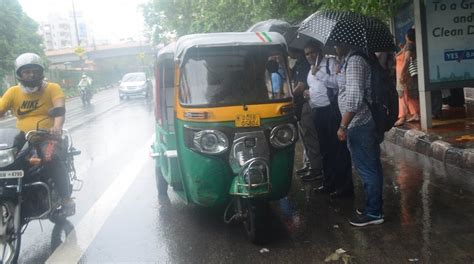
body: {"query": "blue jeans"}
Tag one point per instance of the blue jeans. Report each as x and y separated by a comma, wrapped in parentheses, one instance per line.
(365, 152)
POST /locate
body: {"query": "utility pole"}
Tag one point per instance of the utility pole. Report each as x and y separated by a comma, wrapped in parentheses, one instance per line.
(75, 23)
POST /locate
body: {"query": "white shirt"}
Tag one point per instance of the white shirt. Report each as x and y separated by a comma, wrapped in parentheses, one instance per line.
(317, 88)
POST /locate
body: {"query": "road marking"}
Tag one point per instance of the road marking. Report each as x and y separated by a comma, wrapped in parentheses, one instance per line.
(7, 119)
(85, 232)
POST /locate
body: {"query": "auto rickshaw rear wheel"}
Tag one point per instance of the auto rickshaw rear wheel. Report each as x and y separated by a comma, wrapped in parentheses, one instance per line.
(161, 184)
(255, 217)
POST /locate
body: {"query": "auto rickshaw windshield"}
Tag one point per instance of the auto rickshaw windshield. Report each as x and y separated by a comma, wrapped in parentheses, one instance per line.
(233, 76)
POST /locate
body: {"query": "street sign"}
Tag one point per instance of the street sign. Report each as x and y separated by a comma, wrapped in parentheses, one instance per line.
(79, 51)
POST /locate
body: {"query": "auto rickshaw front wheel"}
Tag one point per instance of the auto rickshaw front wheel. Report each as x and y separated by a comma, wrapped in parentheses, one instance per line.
(255, 212)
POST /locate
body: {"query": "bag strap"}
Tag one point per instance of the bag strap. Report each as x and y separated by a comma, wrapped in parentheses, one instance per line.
(328, 71)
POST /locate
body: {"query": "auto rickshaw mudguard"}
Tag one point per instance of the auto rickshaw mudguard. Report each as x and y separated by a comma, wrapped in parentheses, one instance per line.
(206, 178)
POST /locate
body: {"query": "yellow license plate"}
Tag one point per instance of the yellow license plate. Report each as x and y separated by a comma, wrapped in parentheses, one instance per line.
(247, 120)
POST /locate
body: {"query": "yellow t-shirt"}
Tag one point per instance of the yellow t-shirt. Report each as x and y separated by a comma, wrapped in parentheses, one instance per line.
(32, 107)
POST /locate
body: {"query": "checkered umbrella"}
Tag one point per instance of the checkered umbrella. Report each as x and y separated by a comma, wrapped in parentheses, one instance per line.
(348, 28)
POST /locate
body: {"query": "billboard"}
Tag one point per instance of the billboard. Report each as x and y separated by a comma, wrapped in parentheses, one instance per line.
(448, 43)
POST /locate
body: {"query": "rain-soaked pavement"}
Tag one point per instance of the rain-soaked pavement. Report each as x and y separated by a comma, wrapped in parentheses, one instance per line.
(429, 210)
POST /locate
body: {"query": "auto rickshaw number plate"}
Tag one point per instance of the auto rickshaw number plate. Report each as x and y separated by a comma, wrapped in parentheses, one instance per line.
(247, 120)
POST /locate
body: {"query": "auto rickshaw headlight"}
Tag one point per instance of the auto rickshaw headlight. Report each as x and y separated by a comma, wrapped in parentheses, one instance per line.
(283, 135)
(210, 141)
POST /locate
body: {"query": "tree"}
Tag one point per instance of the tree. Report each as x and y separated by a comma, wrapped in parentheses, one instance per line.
(18, 34)
(382, 9)
(199, 16)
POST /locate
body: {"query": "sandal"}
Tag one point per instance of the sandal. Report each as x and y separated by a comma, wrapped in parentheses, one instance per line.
(399, 122)
(414, 118)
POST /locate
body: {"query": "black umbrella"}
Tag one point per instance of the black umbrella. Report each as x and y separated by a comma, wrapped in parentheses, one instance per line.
(273, 25)
(296, 40)
(348, 28)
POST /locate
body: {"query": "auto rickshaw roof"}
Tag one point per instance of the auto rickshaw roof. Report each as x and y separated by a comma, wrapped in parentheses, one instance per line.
(167, 51)
(227, 39)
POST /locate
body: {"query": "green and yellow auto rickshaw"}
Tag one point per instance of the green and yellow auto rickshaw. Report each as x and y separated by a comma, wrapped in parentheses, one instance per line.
(225, 125)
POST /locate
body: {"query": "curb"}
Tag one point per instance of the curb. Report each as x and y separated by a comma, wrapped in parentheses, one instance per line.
(432, 146)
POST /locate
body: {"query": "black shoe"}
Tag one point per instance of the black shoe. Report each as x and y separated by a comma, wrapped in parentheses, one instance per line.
(303, 170)
(342, 194)
(317, 174)
(360, 211)
(324, 189)
(365, 220)
(310, 177)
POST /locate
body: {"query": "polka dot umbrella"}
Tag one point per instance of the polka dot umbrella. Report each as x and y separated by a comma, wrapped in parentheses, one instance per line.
(348, 28)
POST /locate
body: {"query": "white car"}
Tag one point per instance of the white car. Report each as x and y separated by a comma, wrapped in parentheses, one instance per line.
(133, 84)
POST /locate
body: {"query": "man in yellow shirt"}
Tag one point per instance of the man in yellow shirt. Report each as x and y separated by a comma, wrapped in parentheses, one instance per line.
(29, 102)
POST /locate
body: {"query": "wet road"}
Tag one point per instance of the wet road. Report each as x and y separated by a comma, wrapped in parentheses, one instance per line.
(429, 208)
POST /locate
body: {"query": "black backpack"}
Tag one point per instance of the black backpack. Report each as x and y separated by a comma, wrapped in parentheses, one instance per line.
(384, 97)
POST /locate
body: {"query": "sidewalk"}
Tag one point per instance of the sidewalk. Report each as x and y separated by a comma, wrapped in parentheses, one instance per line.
(451, 140)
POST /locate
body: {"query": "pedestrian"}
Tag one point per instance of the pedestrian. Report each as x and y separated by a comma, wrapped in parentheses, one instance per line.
(312, 160)
(278, 78)
(337, 165)
(358, 128)
(407, 82)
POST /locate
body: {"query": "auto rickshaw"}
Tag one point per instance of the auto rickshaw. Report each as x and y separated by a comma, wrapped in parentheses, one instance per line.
(224, 134)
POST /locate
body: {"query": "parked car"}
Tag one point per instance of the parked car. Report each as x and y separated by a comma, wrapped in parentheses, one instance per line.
(134, 84)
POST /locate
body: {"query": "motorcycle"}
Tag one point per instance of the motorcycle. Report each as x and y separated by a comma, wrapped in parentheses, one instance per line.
(86, 95)
(26, 193)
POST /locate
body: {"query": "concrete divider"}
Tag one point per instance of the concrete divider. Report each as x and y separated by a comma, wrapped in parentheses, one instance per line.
(432, 146)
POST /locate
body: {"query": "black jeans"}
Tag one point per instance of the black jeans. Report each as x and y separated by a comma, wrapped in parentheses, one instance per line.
(337, 163)
(53, 154)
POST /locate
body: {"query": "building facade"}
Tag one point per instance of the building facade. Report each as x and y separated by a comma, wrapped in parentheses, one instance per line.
(59, 32)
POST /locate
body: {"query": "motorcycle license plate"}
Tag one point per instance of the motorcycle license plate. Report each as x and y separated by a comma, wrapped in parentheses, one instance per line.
(247, 120)
(13, 174)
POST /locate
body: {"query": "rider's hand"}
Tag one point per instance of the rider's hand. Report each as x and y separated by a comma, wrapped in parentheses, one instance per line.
(56, 130)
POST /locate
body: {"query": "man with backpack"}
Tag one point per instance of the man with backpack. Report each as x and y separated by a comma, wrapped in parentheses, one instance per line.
(358, 126)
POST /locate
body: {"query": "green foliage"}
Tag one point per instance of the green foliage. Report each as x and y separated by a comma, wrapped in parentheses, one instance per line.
(181, 17)
(17, 35)
(382, 9)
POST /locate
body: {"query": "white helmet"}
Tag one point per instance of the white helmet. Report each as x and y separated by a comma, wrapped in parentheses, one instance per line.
(25, 60)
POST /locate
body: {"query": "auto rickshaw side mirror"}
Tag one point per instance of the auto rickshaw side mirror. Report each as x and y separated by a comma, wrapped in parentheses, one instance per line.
(272, 66)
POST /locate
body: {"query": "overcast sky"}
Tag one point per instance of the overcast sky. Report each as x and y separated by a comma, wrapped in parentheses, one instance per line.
(109, 19)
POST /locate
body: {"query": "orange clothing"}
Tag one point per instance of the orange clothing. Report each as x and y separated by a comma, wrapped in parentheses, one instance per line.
(399, 64)
(406, 104)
